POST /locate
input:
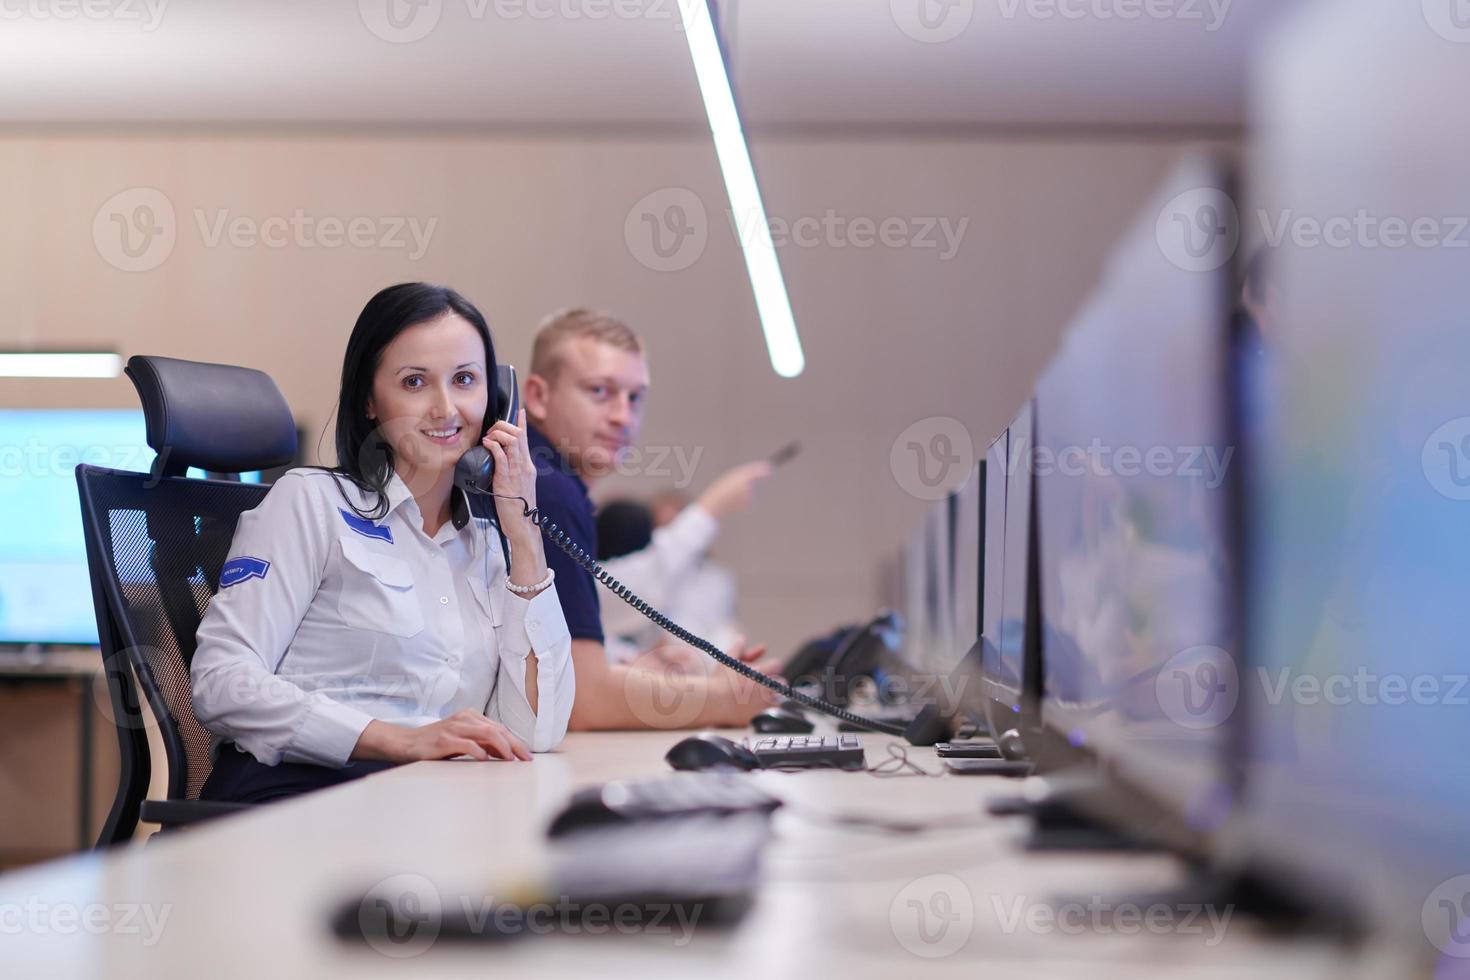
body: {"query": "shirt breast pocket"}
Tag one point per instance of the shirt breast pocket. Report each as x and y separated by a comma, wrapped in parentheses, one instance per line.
(378, 592)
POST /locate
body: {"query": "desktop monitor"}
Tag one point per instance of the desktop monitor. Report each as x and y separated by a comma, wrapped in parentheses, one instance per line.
(45, 588)
(969, 531)
(1135, 533)
(978, 563)
(914, 639)
(1009, 668)
(993, 560)
(938, 561)
(1357, 783)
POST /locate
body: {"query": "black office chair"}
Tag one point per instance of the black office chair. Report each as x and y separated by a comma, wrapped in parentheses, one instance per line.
(155, 544)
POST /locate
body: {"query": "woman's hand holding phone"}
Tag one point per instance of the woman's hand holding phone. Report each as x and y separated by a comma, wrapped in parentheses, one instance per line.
(515, 477)
(515, 474)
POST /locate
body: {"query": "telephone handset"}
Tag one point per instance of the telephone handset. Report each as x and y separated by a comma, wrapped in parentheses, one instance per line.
(476, 468)
(473, 474)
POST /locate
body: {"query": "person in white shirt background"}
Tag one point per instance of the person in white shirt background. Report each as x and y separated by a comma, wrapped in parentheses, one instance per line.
(660, 550)
(365, 615)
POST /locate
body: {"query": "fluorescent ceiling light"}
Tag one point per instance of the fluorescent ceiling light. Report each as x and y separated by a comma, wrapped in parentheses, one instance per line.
(771, 301)
(55, 364)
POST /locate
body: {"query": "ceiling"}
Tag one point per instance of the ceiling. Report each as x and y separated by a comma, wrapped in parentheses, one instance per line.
(551, 64)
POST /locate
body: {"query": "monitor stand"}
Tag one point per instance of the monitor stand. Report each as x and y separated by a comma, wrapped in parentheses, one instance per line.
(1061, 817)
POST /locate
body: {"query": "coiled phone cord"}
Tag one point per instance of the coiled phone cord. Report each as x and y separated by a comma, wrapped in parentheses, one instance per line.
(560, 538)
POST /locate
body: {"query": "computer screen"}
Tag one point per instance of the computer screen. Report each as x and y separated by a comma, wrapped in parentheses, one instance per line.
(1005, 666)
(993, 562)
(938, 588)
(45, 589)
(915, 600)
(983, 497)
(969, 516)
(1358, 783)
(1133, 480)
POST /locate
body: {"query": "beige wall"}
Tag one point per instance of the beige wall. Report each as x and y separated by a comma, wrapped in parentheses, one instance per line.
(892, 335)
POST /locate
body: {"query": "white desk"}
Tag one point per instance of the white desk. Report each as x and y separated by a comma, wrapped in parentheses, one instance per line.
(250, 895)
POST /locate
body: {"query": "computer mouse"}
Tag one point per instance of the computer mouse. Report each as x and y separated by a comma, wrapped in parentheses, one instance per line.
(708, 751)
(587, 808)
(782, 721)
(664, 797)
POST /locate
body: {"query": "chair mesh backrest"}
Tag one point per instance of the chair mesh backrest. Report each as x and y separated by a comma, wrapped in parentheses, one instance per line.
(163, 547)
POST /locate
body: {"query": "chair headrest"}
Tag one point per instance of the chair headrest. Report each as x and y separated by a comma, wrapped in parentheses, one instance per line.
(217, 417)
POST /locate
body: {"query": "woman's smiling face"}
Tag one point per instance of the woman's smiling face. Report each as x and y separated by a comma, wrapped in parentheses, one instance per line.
(430, 392)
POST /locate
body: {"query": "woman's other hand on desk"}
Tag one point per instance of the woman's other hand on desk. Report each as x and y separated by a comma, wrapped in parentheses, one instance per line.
(462, 733)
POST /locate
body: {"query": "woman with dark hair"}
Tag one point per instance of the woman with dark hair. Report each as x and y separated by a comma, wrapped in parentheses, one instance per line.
(366, 616)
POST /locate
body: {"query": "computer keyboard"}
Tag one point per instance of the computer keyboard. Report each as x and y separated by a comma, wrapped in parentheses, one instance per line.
(689, 793)
(809, 751)
(684, 795)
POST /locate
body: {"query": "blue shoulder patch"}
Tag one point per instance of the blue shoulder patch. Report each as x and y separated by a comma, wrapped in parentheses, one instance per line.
(366, 527)
(240, 569)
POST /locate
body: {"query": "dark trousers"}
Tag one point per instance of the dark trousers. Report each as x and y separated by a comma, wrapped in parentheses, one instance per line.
(238, 777)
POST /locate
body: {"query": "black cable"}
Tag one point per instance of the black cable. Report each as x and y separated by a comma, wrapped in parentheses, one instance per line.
(559, 538)
(898, 763)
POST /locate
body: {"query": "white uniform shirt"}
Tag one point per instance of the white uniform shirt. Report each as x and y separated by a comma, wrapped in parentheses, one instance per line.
(325, 621)
(673, 575)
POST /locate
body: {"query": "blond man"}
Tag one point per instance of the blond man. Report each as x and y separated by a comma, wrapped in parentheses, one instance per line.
(585, 398)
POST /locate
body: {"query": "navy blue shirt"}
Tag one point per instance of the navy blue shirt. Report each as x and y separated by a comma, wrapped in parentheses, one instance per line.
(562, 497)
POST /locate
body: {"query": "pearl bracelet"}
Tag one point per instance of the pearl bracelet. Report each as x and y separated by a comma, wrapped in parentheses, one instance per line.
(528, 589)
